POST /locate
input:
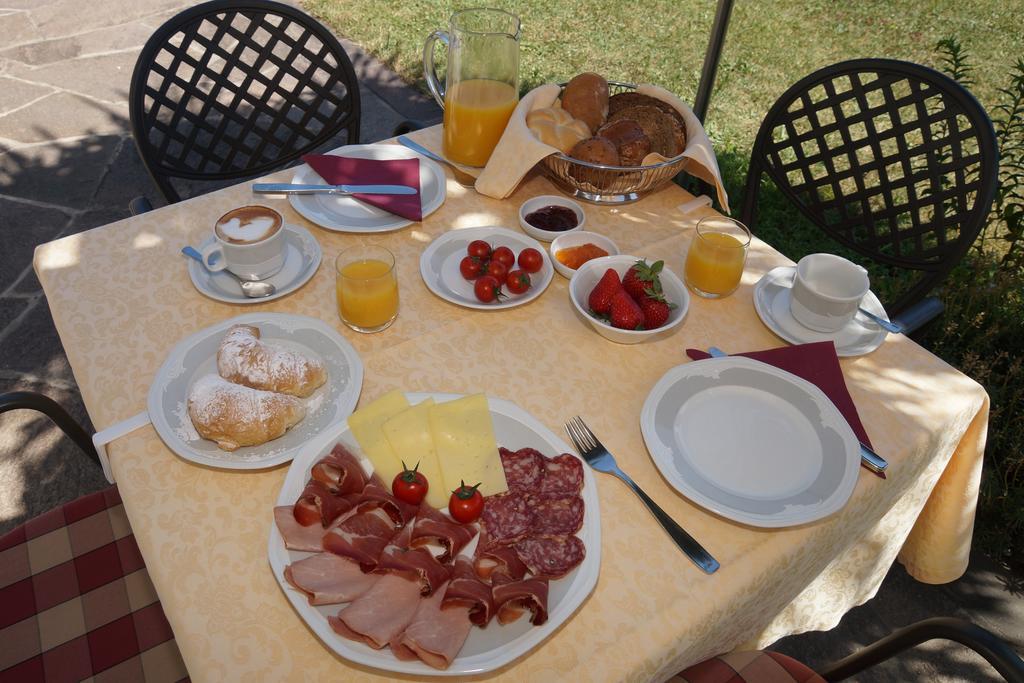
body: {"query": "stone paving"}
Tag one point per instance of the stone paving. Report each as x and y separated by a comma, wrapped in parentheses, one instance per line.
(68, 164)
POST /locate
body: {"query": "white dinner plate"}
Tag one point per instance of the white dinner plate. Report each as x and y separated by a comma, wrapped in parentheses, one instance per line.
(302, 259)
(439, 266)
(750, 442)
(348, 214)
(485, 649)
(196, 356)
(771, 300)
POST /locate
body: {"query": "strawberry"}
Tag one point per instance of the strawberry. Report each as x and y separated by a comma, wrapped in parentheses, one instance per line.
(642, 279)
(655, 310)
(601, 295)
(625, 313)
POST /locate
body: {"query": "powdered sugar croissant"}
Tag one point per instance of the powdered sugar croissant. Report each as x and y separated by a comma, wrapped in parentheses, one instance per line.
(244, 359)
(234, 415)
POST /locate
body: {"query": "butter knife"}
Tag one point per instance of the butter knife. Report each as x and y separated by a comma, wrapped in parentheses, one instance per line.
(868, 458)
(289, 188)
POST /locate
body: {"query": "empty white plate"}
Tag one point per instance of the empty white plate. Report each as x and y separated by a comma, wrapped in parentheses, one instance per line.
(750, 442)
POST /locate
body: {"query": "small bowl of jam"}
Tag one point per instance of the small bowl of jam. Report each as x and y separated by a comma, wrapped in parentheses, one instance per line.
(570, 251)
(548, 216)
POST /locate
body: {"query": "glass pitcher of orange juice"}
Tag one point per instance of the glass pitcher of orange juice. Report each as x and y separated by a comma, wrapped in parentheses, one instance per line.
(482, 85)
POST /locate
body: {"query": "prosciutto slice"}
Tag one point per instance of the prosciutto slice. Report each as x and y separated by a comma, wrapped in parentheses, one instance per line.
(436, 633)
(327, 579)
(340, 471)
(361, 537)
(515, 597)
(296, 536)
(433, 527)
(380, 614)
(375, 495)
(495, 561)
(317, 504)
(467, 590)
(416, 563)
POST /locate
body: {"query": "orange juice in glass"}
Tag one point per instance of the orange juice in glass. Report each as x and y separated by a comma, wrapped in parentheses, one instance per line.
(718, 252)
(367, 288)
(482, 83)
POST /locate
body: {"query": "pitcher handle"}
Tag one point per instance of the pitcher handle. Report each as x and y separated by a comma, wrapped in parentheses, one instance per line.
(428, 65)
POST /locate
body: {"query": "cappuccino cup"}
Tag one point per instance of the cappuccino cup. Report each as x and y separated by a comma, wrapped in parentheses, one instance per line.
(249, 241)
(827, 290)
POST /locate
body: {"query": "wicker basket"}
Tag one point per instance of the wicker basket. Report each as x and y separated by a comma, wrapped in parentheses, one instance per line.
(600, 184)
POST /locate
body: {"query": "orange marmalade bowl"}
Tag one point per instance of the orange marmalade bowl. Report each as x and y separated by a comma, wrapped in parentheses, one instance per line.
(579, 238)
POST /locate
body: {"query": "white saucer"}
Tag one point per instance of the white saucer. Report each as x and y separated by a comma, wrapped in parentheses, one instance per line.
(771, 300)
(300, 264)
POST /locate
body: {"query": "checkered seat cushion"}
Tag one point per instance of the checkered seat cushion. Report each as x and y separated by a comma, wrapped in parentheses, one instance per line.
(76, 602)
(748, 667)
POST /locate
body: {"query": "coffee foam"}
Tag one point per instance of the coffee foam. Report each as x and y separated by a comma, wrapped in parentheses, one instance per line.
(248, 224)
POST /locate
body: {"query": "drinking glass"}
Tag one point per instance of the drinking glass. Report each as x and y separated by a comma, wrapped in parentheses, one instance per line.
(367, 288)
(718, 252)
(482, 85)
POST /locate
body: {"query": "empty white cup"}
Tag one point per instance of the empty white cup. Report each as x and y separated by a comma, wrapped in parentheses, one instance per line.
(827, 290)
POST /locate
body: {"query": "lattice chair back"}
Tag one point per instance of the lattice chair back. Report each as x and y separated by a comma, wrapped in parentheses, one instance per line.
(231, 89)
(894, 160)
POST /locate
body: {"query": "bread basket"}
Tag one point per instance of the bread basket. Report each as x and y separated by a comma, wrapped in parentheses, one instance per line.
(601, 184)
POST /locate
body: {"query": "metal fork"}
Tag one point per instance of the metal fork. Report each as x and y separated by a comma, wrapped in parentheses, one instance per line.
(598, 457)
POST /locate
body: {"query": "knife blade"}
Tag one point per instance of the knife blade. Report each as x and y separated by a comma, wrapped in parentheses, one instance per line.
(289, 188)
(868, 458)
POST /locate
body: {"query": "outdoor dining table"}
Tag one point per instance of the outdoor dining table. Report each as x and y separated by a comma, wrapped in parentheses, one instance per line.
(121, 298)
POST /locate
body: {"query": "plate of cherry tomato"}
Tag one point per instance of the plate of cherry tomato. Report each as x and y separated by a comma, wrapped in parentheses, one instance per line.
(486, 267)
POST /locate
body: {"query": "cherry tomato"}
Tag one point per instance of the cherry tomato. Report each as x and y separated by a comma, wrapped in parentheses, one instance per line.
(479, 248)
(497, 270)
(471, 267)
(530, 260)
(504, 255)
(517, 282)
(466, 504)
(410, 485)
(487, 288)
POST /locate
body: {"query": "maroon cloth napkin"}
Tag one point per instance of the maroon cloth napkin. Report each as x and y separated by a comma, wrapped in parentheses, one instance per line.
(818, 364)
(350, 171)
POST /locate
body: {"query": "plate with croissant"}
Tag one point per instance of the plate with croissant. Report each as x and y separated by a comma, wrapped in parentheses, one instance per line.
(248, 392)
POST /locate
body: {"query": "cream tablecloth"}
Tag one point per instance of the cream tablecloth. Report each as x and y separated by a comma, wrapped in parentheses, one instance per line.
(121, 299)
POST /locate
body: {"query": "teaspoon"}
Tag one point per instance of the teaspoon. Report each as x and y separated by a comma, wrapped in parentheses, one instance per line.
(253, 290)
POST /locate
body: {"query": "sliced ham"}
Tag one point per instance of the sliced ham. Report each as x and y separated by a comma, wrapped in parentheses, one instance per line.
(493, 561)
(416, 563)
(433, 527)
(317, 504)
(467, 590)
(436, 633)
(380, 614)
(328, 579)
(296, 536)
(515, 597)
(341, 471)
(361, 537)
(375, 495)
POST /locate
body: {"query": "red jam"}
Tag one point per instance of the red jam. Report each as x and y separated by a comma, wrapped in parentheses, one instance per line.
(553, 218)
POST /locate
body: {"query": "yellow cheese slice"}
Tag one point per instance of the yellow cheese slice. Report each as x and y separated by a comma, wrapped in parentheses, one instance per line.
(366, 425)
(466, 448)
(411, 441)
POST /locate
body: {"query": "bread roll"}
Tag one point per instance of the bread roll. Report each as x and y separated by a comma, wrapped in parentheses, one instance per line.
(556, 127)
(617, 103)
(629, 139)
(234, 415)
(596, 151)
(668, 137)
(586, 98)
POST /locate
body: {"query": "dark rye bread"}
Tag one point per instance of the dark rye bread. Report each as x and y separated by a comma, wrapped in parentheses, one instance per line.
(668, 136)
(632, 99)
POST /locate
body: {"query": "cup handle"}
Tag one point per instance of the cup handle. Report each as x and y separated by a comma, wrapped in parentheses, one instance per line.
(436, 89)
(213, 249)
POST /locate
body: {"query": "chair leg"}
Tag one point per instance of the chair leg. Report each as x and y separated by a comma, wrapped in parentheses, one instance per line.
(999, 654)
(28, 400)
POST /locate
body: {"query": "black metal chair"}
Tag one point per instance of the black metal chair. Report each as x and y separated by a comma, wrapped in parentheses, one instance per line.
(235, 88)
(893, 160)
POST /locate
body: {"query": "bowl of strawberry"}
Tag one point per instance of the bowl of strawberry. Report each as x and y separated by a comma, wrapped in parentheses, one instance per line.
(628, 299)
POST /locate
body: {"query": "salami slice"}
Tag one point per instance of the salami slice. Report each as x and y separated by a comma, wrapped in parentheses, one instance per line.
(556, 514)
(524, 469)
(506, 518)
(562, 474)
(551, 556)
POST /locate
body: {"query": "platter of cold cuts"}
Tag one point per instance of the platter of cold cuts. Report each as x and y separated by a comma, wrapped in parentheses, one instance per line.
(409, 588)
